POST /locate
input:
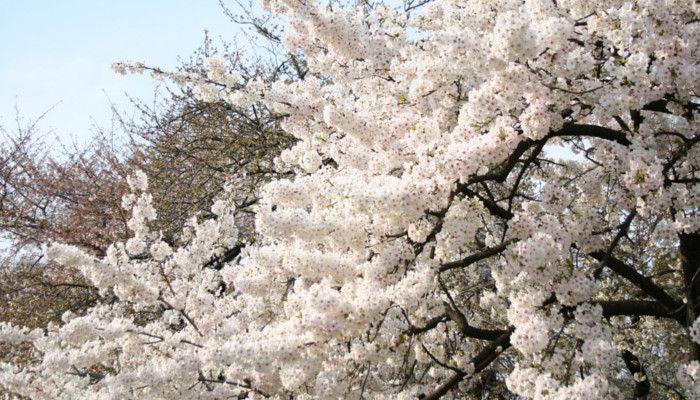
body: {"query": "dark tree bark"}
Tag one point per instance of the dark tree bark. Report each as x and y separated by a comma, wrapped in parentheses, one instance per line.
(690, 261)
(641, 388)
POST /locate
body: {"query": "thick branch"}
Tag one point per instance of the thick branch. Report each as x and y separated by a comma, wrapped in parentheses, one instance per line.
(641, 387)
(690, 256)
(649, 308)
(492, 206)
(638, 308)
(432, 323)
(472, 331)
(478, 256)
(592, 131)
(218, 262)
(480, 362)
(639, 280)
(500, 173)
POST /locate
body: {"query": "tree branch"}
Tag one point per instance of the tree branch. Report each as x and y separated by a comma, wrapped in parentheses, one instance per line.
(592, 131)
(641, 387)
(478, 256)
(639, 280)
(690, 262)
(650, 308)
(480, 362)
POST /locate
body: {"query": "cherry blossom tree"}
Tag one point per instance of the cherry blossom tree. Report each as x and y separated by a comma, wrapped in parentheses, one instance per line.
(493, 198)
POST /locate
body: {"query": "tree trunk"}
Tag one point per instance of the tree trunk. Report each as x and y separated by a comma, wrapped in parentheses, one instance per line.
(690, 258)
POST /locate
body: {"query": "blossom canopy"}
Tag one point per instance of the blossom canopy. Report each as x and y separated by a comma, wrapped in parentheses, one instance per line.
(426, 241)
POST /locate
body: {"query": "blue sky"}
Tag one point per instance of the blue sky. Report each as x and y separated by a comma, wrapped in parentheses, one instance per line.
(60, 52)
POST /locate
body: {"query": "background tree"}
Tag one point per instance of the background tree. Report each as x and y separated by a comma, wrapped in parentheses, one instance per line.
(72, 197)
(188, 149)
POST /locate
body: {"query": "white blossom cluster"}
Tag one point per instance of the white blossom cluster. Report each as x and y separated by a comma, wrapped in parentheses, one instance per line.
(406, 125)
